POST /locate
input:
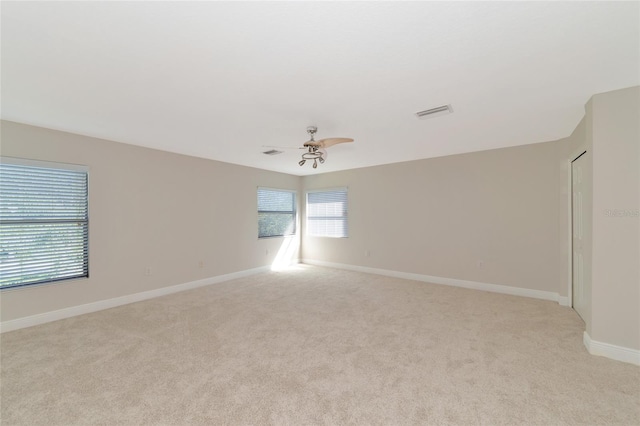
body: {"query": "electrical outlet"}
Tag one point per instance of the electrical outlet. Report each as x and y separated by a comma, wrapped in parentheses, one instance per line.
(147, 271)
(201, 264)
(367, 253)
(480, 264)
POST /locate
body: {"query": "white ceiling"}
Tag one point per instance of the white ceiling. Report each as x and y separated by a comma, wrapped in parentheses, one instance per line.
(221, 79)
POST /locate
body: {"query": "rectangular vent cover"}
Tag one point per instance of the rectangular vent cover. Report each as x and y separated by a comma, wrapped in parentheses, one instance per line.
(273, 152)
(434, 112)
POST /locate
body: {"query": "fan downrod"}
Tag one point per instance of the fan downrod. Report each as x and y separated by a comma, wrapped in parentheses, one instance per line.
(312, 131)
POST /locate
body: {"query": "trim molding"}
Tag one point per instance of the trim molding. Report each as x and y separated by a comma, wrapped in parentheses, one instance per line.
(618, 353)
(100, 305)
(474, 285)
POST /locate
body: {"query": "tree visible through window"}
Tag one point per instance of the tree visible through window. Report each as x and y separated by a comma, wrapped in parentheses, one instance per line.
(44, 223)
(276, 213)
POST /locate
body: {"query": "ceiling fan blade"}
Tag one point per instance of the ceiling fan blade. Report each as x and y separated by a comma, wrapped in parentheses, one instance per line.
(326, 143)
(282, 147)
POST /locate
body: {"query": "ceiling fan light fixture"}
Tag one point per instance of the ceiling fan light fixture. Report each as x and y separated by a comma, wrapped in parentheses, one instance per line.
(434, 112)
(316, 150)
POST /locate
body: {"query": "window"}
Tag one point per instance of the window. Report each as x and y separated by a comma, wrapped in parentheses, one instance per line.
(276, 212)
(327, 213)
(44, 222)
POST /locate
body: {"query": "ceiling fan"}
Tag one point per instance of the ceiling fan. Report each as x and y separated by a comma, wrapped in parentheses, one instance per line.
(316, 149)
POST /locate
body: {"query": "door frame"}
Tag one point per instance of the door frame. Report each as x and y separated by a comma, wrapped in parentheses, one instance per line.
(573, 157)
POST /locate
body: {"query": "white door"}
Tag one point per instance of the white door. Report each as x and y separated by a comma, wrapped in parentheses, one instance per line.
(577, 214)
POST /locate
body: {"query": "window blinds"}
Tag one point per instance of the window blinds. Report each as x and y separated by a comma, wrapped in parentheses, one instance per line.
(44, 224)
(327, 213)
(276, 213)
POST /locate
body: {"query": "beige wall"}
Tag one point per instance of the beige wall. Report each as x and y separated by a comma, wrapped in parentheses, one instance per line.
(442, 216)
(147, 208)
(506, 208)
(616, 242)
(509, 208)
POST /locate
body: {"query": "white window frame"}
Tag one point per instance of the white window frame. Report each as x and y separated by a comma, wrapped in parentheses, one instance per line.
(344, 189)
(86, 259)
(294, 212)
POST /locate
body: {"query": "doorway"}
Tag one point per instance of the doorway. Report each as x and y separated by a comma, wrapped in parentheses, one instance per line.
(580, 302)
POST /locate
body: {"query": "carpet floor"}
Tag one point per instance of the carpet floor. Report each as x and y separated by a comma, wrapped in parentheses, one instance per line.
(313, 346)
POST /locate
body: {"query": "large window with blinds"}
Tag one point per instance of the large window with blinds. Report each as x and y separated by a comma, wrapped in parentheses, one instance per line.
(327, 213)
(44, 222)
(276, 212)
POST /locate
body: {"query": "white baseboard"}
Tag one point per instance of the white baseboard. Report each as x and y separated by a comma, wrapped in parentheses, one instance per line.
(619, 353)
(100, 305)
(474, 285)
(607, 350)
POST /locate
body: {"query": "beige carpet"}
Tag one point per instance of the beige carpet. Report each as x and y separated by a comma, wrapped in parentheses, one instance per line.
(316, 346)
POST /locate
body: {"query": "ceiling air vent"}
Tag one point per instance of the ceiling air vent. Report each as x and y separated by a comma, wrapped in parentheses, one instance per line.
(272, 152)
(434, 112)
